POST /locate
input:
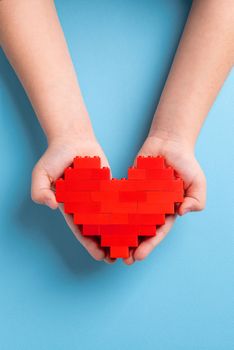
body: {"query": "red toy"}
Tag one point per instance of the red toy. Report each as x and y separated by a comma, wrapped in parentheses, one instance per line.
(119, 212)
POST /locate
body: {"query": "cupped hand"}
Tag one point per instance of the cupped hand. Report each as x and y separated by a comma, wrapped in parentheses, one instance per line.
(58, 156)
(181, 157)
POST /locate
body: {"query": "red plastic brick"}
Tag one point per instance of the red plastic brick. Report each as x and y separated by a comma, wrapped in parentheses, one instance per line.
(136, 174)
(92, 219)
(112, 185)
(87, 174)
(82, 207)
(100, 218)
(101, 174)
(68, 196)
(150, 173)
(155, 185)
(119, 211)
(79, 174)
(119, 252)
(147, 230)
(147, 219)
(60, 190)
(160, 208)
(112, 239)
(133, 196)
(164, 196)
(105, 195)
(118, 218)
(119, 229)
(159, 174)
(91, 230)
(116, 207)
(59, 185)
(67, 172)
(87, 163)
(150, 162)
(82, 185)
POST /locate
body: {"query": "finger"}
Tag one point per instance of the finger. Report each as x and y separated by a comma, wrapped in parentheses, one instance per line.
(195, 196)
(41, 191)
(146, 247)
(130, 260)
(88, 242)
(109, 260)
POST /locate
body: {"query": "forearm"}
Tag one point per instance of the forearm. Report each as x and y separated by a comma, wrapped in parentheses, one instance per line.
(203, 60)
(32, 39)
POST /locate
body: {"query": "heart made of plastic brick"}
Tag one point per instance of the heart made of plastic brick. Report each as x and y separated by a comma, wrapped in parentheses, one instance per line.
(119, 211)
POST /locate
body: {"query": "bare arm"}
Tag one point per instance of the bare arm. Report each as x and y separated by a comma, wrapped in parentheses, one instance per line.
(33, 41)
(203, 60)
(32, 38)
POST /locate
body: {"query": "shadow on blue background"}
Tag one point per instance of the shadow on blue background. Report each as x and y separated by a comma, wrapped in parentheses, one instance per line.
(52, 294)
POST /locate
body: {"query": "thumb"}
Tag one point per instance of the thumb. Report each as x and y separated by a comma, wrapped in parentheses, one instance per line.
(41, 191)
(195, 196)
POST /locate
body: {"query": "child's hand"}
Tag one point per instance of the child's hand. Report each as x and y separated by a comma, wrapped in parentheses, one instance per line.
(183, 161)
(51, 165)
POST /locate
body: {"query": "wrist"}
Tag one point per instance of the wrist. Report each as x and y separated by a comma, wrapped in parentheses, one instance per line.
(71, 129)
(171, 135)
(166, 145)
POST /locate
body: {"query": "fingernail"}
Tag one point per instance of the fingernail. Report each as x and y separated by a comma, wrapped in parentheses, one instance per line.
(109, 261)
(48, 202)
(187, 210)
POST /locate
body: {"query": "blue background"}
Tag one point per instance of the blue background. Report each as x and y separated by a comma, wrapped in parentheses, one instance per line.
(52, 294)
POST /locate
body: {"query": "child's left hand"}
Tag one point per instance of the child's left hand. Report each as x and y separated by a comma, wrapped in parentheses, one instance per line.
(181, 157)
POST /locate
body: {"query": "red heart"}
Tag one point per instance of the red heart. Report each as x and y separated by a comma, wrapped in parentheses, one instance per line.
(119, 211)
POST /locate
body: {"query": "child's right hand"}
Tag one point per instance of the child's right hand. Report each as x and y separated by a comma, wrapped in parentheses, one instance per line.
(58, 156)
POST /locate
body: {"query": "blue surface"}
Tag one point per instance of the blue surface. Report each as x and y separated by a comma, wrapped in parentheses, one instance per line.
(52, 295)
